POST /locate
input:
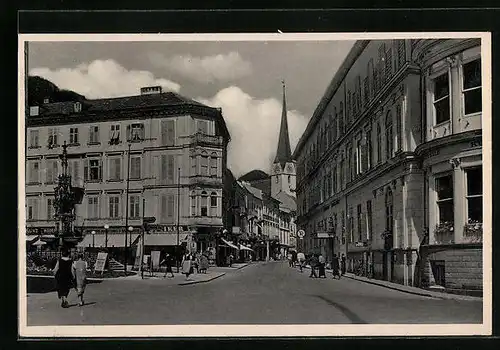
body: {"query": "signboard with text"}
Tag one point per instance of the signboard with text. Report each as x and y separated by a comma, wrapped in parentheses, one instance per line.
(100, 262)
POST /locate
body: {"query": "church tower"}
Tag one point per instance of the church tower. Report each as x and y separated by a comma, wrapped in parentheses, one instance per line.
(283, 175)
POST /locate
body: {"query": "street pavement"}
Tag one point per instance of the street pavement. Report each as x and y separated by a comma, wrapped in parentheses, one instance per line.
(261, 293)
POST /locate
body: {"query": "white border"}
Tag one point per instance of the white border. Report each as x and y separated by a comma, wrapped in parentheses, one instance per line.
(262, 330)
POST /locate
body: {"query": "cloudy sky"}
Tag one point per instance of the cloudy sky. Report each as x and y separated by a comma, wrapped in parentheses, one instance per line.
(243, 78)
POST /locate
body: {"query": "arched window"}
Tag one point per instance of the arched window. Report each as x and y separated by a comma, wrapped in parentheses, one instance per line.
(204, 204)
(213, 204)
(213, 164)
(193, 203)
(204, 164)
(389, 137)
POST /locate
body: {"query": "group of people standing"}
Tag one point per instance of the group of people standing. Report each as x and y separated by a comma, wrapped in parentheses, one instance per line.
(194, 262)
(317, 262)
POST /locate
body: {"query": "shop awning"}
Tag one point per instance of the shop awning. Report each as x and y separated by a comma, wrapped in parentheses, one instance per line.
(230, 244)
(31, 238)
(164, 239)
(99, 241)
(242, 247)
(39, 243)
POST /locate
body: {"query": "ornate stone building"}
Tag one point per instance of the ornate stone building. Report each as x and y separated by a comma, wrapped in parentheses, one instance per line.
(389, 167)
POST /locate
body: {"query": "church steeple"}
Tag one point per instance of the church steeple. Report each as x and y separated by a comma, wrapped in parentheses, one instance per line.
(283, 153)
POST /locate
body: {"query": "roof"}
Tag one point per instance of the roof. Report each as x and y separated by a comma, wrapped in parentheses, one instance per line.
(283, 153)
(253, 190)
(287, 200)
(337, 80)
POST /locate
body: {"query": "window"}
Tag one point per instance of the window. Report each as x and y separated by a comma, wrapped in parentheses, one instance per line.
(341, 173)
(93, 207)
(168, 132)
(213, 164)
(351, 225)
(341, 119)
(114, 207)
(202, 126)
(135, 168)
(94, 134)
(52, 141)
(170, 207)
(369, 223)
(399, 131)
(389, 217)
(213, 204)
(389, 140)
(194, 171)
(115, 165)
(34, 135)
(73, 136)
(342, 218)
(358, 93)
(360, 226)
(474, 195)
(366, 91)
(444, 189)
(369, 149)
(135, 132)
(204, 164)
(334, 181)
(442, 98)
(348, 109)
(334, 125)
(134, 206)
(74, 170)
(51, 171)
(34, 169)
(204, 204)
(50, 209)
(472, 86)
(193, 204)
(359, 156)
(114, 134)
(93, 170)
(32, 208)
(379, 143)
(167, 169)
(77, 107)
(401, 52)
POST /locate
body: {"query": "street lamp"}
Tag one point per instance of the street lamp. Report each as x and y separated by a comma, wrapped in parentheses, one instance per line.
(126, 206)
(93, 239)
(130, 229)
(106, 228)
(178, 214)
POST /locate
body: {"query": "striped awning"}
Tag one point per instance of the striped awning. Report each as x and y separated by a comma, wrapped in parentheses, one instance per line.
(99, 240)
(230, 244)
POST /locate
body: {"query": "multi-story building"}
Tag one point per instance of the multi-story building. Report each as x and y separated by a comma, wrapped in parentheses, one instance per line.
(172, 150)
(389, 166)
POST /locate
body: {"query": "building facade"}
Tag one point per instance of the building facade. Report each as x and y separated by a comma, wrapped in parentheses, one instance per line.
(389, 167)
(172, 150)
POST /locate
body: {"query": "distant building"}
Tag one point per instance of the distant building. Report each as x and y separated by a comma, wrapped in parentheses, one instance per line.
(177, 145)
(390, 166)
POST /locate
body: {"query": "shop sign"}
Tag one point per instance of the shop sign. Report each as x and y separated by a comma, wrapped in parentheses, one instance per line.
(100, 261)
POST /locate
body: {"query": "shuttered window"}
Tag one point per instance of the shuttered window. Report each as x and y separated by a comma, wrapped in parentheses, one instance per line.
(168, 132)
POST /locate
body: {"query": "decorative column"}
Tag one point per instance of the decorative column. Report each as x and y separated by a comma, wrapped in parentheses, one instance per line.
(455, 93)
(458, 200)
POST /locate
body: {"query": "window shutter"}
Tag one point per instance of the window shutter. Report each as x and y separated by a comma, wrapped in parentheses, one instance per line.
(143, 136)
(164, 132)
(163, 169)
(129, 133)
(171, 207)
(76, 170)
(170, 169)
(99, 176)
(170, 132)
(163, 206)
(35, 208)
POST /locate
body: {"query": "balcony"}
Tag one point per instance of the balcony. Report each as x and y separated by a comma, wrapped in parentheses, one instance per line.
(205, 180)
(206, 140)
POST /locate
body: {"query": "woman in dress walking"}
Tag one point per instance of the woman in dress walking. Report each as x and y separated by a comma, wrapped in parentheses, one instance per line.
(187, 266)
(64, 276)
(79, 269)
(168, 262)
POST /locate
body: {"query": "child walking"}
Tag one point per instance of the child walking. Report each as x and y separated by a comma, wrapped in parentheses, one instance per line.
(79, 270)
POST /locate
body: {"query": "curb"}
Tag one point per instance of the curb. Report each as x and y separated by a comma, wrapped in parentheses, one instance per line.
(88, 279)
(203, 281)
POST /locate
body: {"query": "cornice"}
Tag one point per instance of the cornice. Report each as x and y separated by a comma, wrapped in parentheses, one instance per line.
(423, 149)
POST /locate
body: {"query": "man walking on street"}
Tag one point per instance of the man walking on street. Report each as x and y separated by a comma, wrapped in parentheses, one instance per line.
(302, 260)
(321, 266)
(342, 264)
(335, 267)
(313, 262)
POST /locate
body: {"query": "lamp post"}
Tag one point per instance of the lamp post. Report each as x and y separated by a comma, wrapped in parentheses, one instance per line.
(126, 206)
(178, 214)
(106, 227)
(93, 239)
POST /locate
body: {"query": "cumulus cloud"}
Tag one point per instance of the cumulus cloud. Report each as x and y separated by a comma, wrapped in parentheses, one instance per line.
(103, 78)
(206, 69)
(254, 127)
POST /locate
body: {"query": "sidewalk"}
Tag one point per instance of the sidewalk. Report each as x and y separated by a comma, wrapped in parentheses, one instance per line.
(408, 289)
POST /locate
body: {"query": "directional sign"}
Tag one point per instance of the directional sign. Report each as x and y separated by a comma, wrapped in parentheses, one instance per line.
(301, 234)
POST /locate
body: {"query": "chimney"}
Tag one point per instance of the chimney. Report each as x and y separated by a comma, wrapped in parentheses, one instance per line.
(150, 90)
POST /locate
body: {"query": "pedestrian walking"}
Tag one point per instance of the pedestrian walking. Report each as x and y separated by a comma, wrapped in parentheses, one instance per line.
(187, 266)
(290, 260)
(343, 264)
(321, 266)
(79, 269)
(64, 276)
(335, 267)
(169, 262)
(302, 260)
(313, 262)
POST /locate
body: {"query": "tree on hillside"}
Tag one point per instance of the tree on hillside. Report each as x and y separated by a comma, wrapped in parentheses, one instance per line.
(39, 89)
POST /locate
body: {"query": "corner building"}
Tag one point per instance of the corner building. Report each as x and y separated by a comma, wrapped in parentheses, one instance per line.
(389, 167)
(178, 153)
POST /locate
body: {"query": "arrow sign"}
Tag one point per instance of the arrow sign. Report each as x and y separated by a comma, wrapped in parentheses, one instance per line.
(149, 219)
